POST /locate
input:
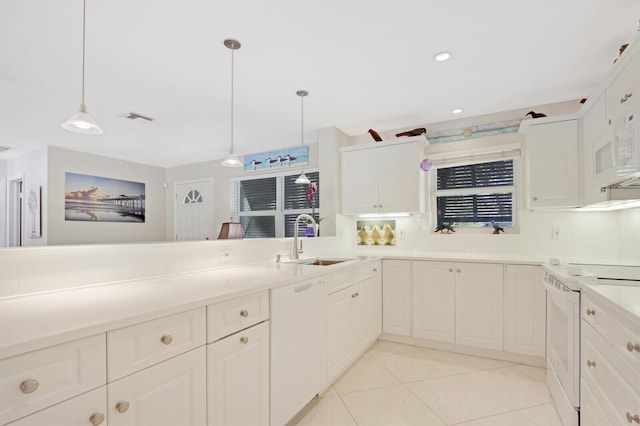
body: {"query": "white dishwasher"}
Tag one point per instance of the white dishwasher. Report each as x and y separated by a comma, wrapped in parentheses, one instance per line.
(298, 347)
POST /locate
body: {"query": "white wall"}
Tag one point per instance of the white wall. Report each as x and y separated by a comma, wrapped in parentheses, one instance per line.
(60, 231)
(221, 188)
(3, 203)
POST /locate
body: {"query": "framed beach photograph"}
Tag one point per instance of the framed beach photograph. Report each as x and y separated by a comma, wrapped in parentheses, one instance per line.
(102, 199)
(276, 160)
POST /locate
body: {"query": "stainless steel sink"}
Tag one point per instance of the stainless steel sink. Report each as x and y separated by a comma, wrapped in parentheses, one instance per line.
(323, 262)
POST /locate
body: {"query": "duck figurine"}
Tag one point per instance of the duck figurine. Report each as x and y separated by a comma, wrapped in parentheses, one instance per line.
(496, 228)
(445, 228)
(387, 235)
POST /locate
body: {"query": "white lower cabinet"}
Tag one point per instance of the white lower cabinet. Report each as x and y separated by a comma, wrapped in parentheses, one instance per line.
(170, 393)
(479, 310)
(350, 325)
(396, 297)
(524, 310)
(434, 301)
(88, 409)
(238, 378)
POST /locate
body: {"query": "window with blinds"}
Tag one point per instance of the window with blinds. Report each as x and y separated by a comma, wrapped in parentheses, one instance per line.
(268, 206)
(474, 195)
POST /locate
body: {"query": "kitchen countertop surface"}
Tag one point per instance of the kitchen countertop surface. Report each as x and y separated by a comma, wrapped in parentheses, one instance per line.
(625, 299)
(31, 322)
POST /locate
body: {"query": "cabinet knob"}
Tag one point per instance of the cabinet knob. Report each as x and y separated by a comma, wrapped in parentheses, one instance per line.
(632, 417)
(122, 406)
(244, 340)
(353, 296)
(450, 269)
(631, 347)
(535, 198)
(167, 339)
(29, 386)
(591, 363)
(458, 270)
(375, 206)
(244, 313)
(591, 312)
(375, 269)
(96, 419)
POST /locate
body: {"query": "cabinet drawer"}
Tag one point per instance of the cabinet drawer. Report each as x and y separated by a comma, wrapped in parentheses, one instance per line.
(142, 345)
(361, 273)
(338, 281)
(616, 384)
(228, 317)
(591, 413)
(39, 379)
(627, 344)
(598, 317)
(84, 410)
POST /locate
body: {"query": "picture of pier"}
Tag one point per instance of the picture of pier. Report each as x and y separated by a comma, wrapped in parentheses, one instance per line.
(101, 199)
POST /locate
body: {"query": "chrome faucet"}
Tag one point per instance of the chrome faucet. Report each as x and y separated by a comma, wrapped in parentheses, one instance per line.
(294, 250)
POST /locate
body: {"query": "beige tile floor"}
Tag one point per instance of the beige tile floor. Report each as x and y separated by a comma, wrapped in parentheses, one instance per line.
(395, 384)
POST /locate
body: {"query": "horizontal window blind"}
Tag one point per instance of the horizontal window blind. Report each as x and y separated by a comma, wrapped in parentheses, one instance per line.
(476, 208)
(480, 175)
(256, 195)
(258, 226)
(295, 195)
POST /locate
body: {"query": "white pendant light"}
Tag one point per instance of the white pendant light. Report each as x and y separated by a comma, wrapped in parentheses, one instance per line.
(81, 121)
(232, 160)
(302, 179)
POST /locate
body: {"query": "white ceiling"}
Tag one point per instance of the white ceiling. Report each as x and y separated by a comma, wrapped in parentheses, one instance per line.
(367, 64)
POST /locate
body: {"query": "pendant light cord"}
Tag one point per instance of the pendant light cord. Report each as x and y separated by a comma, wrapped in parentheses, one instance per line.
(302, 121)
(231, 151)
(84, 19)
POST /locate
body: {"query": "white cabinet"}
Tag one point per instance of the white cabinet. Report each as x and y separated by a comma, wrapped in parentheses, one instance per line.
(172, 392)
(609, 363)
(32, 381)
(524, 310)
(383, 178)
(354, 315)
(88, 409)
(622, 88)
(396, 297)
(434, 301)
(552, 163)
(238, 361)
(597, 134)
(238, 378)
(479, 310)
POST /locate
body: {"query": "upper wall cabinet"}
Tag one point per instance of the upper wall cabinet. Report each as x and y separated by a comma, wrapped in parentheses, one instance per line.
(552, 162)
(383, 177)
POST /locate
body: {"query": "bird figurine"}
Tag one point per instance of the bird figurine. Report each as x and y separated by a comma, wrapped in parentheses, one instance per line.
(534, 114)
(255, 163)
(445, 228)
(415, 132)
(376, 137)
(621, 51)
(496, 227)
(363, 236)
(583, 100)
(375, 236)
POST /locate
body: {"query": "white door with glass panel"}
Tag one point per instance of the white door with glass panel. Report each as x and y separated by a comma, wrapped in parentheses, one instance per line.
(193, 210)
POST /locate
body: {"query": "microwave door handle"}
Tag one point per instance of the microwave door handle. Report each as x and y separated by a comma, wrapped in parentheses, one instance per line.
(568, 296)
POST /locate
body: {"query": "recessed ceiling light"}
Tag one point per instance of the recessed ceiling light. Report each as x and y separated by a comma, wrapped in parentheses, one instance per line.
(456, 111)
(442, 56)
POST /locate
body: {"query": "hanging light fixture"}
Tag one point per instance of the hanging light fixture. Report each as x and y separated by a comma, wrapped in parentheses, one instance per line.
(81, 121)
(302, 179)
(232, 160)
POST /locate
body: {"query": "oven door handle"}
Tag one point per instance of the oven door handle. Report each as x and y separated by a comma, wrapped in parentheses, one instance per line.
(567, 296)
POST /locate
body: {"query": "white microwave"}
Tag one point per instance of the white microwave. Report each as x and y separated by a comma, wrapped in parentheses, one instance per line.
(616, 157)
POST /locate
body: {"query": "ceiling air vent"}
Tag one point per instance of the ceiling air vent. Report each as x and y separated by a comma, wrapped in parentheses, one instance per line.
(136, 117)
(4, 148)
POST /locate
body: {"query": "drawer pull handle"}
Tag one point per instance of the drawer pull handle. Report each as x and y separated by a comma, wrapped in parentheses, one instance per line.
(633, 418)
(122, 406)
(244, 340)
(244, 313)
(167, 339)
(353, 296)
(96, 419)
(630, 346)
(375, 269)
(29, 386)
(591, 312)
(591, 363)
